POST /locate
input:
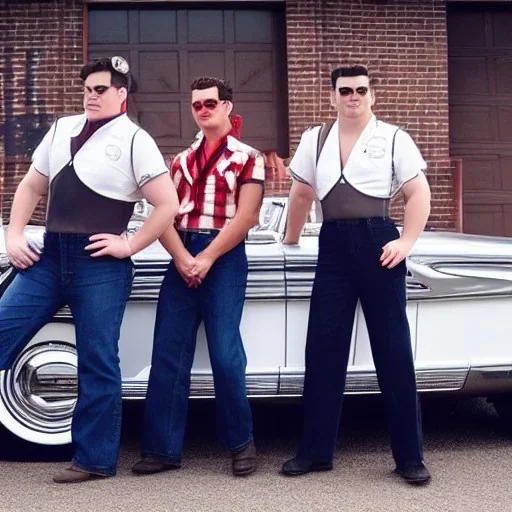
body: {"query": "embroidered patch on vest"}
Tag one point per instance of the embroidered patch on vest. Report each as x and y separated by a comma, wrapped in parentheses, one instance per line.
(376, 147)
(113, 152)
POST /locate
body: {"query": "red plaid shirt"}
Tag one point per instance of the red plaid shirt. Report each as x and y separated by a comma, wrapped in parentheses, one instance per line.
(208, 189)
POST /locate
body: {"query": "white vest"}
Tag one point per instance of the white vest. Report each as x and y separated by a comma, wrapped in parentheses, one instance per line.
(369, 166)
(113, 161)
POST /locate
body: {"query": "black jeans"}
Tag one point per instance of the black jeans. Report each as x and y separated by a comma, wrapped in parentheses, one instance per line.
(349, 269)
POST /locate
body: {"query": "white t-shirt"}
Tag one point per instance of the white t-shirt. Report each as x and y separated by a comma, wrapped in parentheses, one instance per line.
(369, 166)
(115, 161)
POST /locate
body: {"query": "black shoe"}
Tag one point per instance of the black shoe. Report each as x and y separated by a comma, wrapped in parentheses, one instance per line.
(245, 461)
(416, 475)
(150, 465)
(296, 466)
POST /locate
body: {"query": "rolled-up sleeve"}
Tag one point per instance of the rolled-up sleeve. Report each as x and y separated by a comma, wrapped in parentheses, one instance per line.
(148, 162)
(254, 170)
(407, 157)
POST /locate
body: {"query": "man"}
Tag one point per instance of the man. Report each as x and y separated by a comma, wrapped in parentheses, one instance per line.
(361, 255)
(219, 182)
(95, 167)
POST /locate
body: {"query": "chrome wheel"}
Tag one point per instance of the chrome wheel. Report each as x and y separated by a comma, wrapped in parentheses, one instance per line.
(38, 394)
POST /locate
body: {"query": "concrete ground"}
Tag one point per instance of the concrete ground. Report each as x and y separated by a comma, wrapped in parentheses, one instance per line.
(466, 449)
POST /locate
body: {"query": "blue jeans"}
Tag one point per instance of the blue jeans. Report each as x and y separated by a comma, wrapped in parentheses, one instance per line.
(349, 269)
(218, 301)
(96, 291)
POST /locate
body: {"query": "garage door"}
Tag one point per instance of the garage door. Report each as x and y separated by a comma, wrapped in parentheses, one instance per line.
(480, 85)
(168, 47)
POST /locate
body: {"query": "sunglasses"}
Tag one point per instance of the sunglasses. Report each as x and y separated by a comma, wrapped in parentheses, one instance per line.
(348, 91)
(208, 104)
(98, 89)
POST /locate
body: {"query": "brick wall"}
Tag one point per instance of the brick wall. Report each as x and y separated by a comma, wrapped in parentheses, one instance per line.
(402, 41)
(40, 53)
(404, 44)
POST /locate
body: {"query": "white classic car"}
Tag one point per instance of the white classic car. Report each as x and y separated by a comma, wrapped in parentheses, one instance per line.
(459, 297)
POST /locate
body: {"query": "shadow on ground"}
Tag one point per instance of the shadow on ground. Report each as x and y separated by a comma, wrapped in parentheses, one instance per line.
(278, 423)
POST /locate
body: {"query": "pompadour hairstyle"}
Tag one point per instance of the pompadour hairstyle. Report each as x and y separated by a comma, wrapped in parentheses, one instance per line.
(105, 64)
(356, 70)
(205, 82)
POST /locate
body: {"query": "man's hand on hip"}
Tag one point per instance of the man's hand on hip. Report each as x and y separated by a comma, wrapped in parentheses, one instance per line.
(394, 252)
(20, 254)
(106, 244)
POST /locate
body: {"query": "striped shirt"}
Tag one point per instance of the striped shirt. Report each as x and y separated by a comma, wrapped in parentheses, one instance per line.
(208, 186)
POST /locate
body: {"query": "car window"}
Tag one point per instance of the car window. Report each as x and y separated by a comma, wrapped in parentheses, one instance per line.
(271, 215)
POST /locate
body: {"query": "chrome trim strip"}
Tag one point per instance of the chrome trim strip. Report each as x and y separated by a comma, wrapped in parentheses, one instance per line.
(265, 280)
(487, 380)
(461, 278)
(201, 385)
(365, 382)
(300, 275)
(480, 380)
(433, 281)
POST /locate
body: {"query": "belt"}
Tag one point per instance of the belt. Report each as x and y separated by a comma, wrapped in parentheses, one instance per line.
(199, 231)
(367, 221)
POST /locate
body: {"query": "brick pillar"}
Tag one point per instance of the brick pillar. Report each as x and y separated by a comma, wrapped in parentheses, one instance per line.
(40, 57)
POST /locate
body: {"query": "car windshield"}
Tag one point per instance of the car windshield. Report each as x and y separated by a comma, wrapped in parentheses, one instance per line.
(271, 215)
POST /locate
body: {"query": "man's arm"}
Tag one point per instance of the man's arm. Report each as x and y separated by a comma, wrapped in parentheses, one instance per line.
(299, 206)
(183, 260)
(417, 209)
(247, 215)
(160, 192)
(28, 194)
(172, 243)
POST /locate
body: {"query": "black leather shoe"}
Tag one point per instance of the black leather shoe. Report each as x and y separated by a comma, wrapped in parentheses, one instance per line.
(245, 461)
(296, 466)
(150, 465)
(416, 475)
